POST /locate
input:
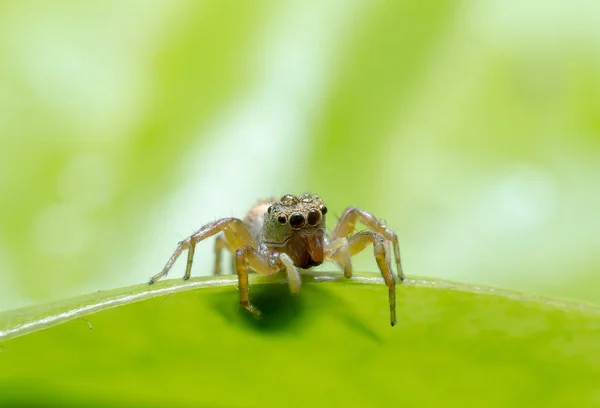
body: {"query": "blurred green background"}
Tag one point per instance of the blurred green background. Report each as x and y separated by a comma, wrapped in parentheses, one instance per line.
(472, 127)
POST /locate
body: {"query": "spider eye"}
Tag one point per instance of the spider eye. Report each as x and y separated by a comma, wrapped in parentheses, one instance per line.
(282, 218)
(269, 209)
(313, 217)
(324, 210)
(297, 220)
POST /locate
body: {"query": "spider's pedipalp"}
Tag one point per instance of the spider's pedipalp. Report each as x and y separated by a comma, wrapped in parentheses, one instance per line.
(293, 275)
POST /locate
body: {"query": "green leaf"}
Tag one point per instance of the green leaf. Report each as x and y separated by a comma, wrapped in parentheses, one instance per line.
(332, 345)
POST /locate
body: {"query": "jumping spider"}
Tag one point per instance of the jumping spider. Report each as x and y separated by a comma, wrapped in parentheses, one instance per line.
(289, 234)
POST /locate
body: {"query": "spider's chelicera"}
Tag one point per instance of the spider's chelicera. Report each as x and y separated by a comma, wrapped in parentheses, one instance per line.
(289, 233)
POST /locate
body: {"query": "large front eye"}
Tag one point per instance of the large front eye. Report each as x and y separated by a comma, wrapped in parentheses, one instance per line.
(269, 209)
(313, 217)
(282, 218)
(297, 221)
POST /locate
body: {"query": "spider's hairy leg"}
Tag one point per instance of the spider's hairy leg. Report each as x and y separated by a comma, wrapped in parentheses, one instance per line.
(293, 275)
(236, 234)
(220, 244)
(347, 223)
(249, 257)
(387, 256)
(358, 242)
(339, 252)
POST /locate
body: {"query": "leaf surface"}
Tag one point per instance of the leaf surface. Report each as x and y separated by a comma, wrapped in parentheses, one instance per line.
(190, 344)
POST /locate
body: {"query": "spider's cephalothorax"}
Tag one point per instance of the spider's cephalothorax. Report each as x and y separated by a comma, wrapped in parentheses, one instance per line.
(296, 226)
(288, 234)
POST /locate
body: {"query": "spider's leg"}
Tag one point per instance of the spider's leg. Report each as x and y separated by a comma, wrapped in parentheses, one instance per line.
(347, 223)
(358, 242)
(248, 257)
(387, 257)
(236, 234)
(220, 244)
(338, 251)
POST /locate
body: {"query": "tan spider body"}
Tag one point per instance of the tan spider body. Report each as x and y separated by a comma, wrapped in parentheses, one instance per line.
(289, 233)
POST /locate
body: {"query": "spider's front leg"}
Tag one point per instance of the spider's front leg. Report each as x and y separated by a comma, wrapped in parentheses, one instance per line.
(236, 235)
(347, 224)
(249, 258)
(343, 246)
(341, 249)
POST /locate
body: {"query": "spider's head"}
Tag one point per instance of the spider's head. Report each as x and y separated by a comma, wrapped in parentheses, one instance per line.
(297, 225)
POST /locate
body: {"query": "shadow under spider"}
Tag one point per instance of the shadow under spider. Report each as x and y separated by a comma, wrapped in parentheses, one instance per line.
(280, 310)
(283, 312)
